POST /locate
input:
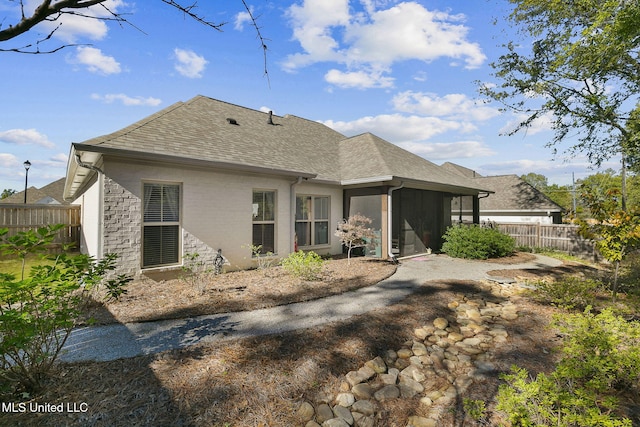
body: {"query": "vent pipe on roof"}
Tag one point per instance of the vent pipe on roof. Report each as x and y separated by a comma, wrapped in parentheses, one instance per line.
(270, 120)
(232, 121)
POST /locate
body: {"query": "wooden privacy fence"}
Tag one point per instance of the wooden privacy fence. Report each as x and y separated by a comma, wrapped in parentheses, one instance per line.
(563, 237)
(23, 217)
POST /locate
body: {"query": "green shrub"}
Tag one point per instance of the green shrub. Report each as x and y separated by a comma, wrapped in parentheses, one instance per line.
(570, 292)
(600, 358)
(38, 312)
(305, 265)
(474, 242)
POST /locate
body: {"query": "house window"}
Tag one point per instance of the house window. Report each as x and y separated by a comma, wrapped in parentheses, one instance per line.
(161, 225)
(264, 220)
(312, 220)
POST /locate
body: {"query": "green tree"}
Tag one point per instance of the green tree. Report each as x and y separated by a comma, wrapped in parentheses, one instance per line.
(561, 195)
(578, 65)
(6, 193)
(616, 231)
(537, 181)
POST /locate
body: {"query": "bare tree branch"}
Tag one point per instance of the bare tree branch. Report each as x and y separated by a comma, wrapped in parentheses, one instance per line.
(263, 43)
(52, 10)
(188, 10)
(47, 10)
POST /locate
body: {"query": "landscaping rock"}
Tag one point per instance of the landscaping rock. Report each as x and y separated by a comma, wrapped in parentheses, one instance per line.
(343, 413)
(346, 399)
(364, 407)
(363, 391)
(455, 351)
(421, 422)
(306, 411)
(335, 422)
(387, 392)
(323, 413)
(441, 323)
(378, 365)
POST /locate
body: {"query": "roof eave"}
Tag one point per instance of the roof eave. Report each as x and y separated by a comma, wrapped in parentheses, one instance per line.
(77, 148)
(430, 185)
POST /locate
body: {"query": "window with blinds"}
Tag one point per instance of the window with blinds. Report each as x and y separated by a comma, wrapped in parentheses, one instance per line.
(161, 225)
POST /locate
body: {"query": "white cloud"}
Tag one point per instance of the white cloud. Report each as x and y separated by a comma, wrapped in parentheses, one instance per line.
(448, 150)
(189, 63)
(454, 105)
(376, 38)
(358, 79)
(241, 19)
(71, 28)
(398, 128)
(8, 160)
(58, 160)
(127, 100)
(410, 31)
(96, 61)
(25, 137)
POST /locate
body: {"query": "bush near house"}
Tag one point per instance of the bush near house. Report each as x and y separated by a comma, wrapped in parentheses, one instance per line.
(305, 265)
(475, 242)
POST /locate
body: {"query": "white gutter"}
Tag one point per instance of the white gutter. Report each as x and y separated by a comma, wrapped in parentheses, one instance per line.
(292, 201)
(389, 219)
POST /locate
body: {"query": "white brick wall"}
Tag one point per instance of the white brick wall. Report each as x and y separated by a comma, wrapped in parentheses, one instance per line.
(216, 211)
(122, 226)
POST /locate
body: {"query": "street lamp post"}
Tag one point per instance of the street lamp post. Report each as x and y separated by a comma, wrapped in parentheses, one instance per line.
(27, 165)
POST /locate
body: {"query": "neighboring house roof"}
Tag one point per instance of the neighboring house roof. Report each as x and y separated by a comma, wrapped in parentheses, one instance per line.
(49, 194)
(514, 194)
(511, 193)
(205, 131)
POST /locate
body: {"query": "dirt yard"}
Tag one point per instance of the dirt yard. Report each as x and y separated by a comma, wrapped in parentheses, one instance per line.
(260, 381)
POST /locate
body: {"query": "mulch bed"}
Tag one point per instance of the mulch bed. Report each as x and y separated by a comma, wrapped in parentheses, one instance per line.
(260, 381)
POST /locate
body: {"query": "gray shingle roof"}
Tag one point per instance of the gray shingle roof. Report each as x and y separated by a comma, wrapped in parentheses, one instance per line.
(200, 129)
(368, 156)
(53, 190)
(513, 194)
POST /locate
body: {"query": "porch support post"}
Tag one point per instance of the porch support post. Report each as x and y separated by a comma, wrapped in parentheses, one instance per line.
(384, 232)
(476, 210)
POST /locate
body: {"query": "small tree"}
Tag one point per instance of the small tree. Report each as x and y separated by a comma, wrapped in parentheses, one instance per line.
(38, 312)
(7, 192)
(616, 232)
(354, 232)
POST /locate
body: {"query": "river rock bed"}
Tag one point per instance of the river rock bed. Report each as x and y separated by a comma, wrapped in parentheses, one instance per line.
(435, 368)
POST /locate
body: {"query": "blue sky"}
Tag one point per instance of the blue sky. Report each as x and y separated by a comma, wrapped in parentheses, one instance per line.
(403, 70)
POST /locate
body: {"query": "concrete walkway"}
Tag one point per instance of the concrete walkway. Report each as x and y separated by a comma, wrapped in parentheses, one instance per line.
(111, 342)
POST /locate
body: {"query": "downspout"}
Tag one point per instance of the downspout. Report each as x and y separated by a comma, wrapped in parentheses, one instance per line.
(389, 220)
(292, 228)
(100, 173)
